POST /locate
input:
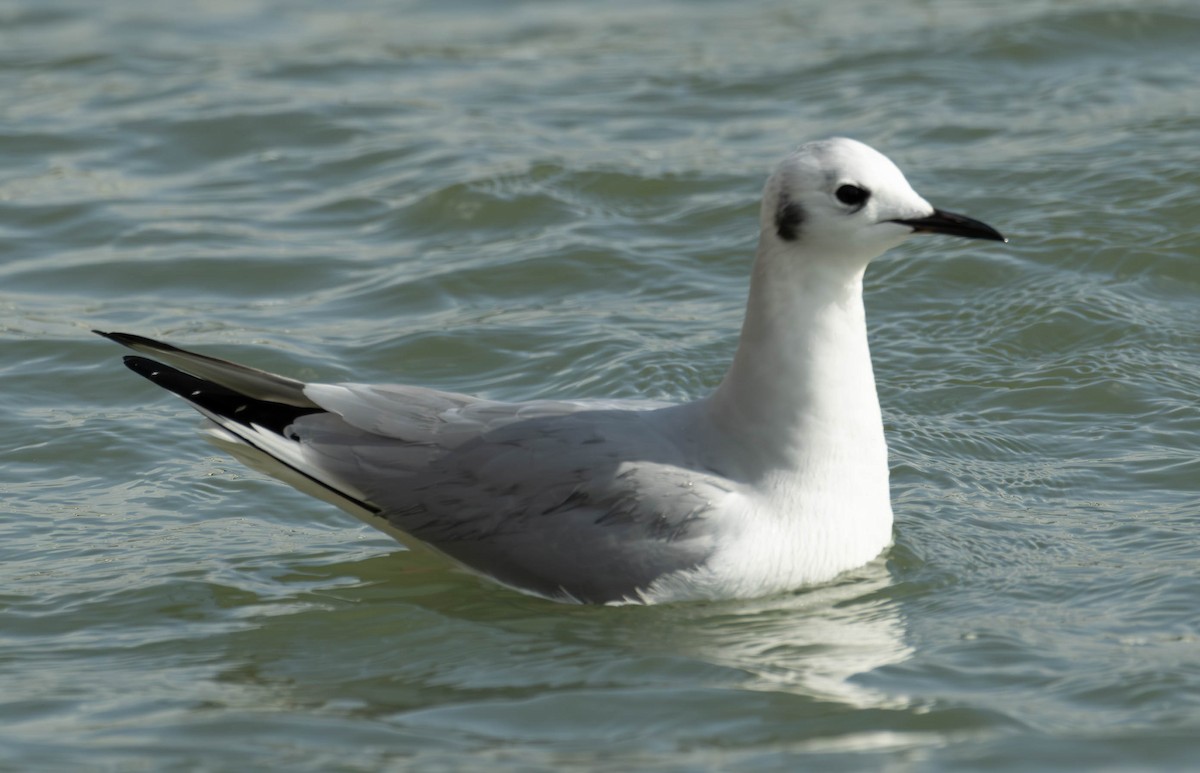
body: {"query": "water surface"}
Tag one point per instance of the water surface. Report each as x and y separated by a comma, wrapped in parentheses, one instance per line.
(547, 199)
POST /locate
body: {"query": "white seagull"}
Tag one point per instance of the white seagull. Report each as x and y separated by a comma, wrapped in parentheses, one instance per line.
(776, 480)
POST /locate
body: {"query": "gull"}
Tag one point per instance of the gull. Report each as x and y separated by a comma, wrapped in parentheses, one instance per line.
(776, 480)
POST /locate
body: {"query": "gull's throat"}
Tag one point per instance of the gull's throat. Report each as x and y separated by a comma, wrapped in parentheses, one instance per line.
(801, 390)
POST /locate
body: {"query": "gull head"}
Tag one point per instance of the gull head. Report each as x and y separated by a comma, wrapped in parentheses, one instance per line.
(841, 202)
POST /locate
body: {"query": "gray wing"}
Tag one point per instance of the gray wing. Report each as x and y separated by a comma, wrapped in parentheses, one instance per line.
(591, 501)
(560, 498)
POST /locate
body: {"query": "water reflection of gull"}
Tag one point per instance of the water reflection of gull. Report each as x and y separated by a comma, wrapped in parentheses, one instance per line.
(815, 642)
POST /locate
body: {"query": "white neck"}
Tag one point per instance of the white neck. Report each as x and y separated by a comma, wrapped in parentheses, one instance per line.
(800, 395)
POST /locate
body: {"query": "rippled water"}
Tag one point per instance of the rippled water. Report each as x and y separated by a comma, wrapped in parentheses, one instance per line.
(542, 198)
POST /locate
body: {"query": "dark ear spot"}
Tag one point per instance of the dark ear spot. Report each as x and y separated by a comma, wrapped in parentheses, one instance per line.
(789, 217)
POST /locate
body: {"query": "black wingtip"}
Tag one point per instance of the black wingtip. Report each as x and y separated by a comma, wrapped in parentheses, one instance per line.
(217, 399)
(170, 379)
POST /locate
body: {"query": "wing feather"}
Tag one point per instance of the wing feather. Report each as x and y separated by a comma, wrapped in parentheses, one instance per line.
(570, 499)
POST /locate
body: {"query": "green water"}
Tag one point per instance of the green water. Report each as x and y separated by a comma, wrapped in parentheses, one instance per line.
(543, 198)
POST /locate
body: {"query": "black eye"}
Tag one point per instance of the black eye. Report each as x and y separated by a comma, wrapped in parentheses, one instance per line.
(852, 195)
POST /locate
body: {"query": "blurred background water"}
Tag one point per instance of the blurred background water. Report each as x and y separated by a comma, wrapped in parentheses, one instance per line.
(533, 199)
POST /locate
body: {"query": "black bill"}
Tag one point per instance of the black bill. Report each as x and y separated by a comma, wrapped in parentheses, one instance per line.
(954, 225)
